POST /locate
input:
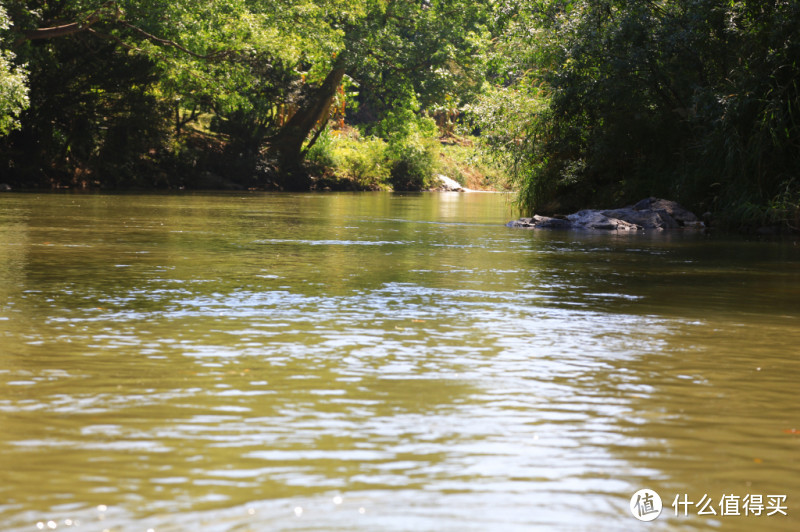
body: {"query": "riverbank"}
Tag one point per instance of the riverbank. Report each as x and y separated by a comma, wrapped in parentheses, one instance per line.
(341, 159)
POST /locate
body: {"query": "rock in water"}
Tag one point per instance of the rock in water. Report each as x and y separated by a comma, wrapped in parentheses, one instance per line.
(590, 219)
(648, 214)
(674, 209)
(646, 219)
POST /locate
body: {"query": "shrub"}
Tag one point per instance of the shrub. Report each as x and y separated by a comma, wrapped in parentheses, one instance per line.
(413, 163)
(320, 154)
(363, 161)
(349, 157)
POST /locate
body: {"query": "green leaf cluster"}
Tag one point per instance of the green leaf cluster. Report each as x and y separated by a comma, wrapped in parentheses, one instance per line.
(13, 81)
(119, 84)
(609, 101)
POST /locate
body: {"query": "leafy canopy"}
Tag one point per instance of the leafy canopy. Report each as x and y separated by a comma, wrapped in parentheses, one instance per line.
(13, 79)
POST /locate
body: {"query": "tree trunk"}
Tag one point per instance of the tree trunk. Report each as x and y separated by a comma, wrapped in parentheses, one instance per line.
(287, 144)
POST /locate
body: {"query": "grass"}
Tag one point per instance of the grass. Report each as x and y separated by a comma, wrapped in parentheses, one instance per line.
(460, 159)
(345, 159)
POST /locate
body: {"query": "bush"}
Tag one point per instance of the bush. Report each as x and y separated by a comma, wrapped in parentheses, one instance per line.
(697, 101)
(406, 162)
(461, 159)
(364, 163)
(413, 163)
(321, 153)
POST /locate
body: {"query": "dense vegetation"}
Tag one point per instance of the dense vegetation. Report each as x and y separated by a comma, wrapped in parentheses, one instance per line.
(227, 92)
(605, 102)
(584, 103)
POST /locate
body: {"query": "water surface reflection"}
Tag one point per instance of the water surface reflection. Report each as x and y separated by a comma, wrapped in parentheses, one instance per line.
(382, 362)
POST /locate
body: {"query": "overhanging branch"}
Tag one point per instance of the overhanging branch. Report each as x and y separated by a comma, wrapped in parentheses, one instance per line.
(221, 54)
(108, 11)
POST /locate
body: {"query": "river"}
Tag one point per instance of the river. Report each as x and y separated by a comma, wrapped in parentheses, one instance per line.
(386, 362)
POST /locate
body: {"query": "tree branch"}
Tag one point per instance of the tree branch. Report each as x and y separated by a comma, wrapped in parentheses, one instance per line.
(109, 10)
(221, 54)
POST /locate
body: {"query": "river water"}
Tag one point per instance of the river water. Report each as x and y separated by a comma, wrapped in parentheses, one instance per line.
(374, 361)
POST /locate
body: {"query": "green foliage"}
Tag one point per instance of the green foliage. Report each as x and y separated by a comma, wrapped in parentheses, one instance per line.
(346, 159)
(418, 55)
(413, 162)
(403, 163)
(462, 159)
(13, 88)
(252, 64)
(363, 162)
(784, 208)
(512, 122)
(320, 154)
(94, 117)
(694, 100)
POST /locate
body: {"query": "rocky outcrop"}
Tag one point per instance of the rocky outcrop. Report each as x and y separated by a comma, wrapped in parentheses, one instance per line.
(648, 214)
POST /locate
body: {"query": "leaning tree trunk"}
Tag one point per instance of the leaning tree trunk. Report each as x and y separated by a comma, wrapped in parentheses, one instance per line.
(287, 144)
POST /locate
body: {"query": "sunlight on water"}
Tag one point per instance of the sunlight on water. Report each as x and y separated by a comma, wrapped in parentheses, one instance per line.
(383, 362)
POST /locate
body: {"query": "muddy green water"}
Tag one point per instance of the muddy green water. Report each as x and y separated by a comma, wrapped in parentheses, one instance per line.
(385, 362)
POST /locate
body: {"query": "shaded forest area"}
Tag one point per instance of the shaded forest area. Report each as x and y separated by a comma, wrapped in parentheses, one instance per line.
(579, 103)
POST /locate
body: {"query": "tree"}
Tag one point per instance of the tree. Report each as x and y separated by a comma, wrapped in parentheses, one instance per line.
(107, 76)
(13, 88)
(268, 70)
(403, 54)
(94, 114)
(691, 99)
